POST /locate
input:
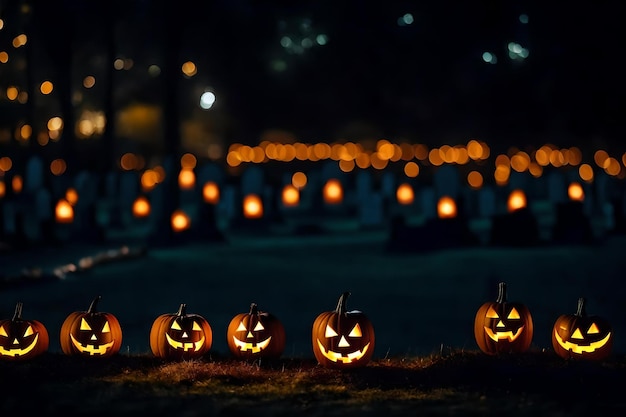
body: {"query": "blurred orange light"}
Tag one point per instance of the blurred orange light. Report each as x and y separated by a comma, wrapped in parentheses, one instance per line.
(71, 195)
(575, 192)
(333, 191)
(211, 192)
(64, 212)
(186, 179)
(180, 221)
(446, 208)
(405, 194)
(290, 196)
(516, 201)
(252, 207)
(141, 207)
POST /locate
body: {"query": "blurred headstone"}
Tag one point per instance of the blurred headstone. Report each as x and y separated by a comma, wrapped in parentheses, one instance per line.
(129, 182)
(252, 181)
(371, 211)
(428, 202)
(486, 202)
(446, 181)
(34, 175)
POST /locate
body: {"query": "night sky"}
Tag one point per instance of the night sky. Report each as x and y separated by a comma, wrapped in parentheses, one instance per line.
(329, 70)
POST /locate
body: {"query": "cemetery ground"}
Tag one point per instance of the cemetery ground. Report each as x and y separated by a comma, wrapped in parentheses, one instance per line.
(422, 306)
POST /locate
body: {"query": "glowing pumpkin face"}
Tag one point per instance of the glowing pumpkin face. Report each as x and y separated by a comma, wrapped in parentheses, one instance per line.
(91, 333)
(22, 339)
(180, 335)
(256, 334)
(343, 339)
(503, 327)
(578, 336)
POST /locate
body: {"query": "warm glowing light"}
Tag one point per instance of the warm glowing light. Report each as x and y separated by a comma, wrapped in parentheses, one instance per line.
(299, 180)
(516, 201)
(405, 194)
(188, 160)
(141, 207)
(411, 169)
(64, 212)
(186, 179)
(333, 191)
(46, 87)
(3, 189)
(586, 172)
(575, 192)
(71, 195)
(290, 196)
(58, 167)
(475, 179)
(189, 69)
(180, 221)
(446, 207)
(17, 183)
(211, 192)
(252, 207)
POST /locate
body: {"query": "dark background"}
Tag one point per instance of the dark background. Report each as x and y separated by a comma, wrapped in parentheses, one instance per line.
(425, 82)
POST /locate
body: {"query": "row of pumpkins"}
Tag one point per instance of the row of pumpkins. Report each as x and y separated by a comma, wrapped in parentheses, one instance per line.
(340, 338)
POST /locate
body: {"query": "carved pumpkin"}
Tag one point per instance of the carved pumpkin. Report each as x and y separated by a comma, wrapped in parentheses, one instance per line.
(343, 339)
(256, 334)
(579, 336)
(22, 339)
(503, 327)
(180, 335)
(91, 333)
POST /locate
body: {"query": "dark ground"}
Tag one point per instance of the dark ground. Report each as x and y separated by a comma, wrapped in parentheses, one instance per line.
(421, 304)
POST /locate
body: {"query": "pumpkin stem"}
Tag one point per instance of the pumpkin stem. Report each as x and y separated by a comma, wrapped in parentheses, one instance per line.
(254, 309)
(501, 293)
(580, 310)
(342, 304)
(94, 303)
(182, 310)
(18, 311)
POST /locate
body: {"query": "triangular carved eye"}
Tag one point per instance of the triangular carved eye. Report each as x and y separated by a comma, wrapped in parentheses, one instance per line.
(356, 331)
(84, 325)
(3, 332)
(241, 327)
(175, 325)
(196, 327)
(513, 314)
(593, 329)
(106, 328)
(491, 314)
(577, 334)
(258, 327)
(29, 331)
(330, 332)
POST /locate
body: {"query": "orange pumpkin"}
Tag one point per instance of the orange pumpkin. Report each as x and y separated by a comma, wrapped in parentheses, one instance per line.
(180, 335)
(503, 327)
(343, 339)
(579, 336)
(256, 334)
(22, 339)
(91, 333)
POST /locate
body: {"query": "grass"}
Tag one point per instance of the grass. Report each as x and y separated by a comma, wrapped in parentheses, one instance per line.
(453, 383)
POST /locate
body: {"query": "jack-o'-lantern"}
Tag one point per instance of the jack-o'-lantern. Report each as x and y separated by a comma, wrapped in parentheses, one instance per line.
(180, 335)
(22, 339)
(343, 339)
(91, 333)
(256, 334)
(579, 336)
(503, 327)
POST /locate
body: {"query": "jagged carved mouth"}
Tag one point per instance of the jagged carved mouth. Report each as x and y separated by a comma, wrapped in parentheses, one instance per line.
(497, 336)
(19, 352)
(338, 357)
(576, 348)
(195, 346)
(92, 349)
(253, 347)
